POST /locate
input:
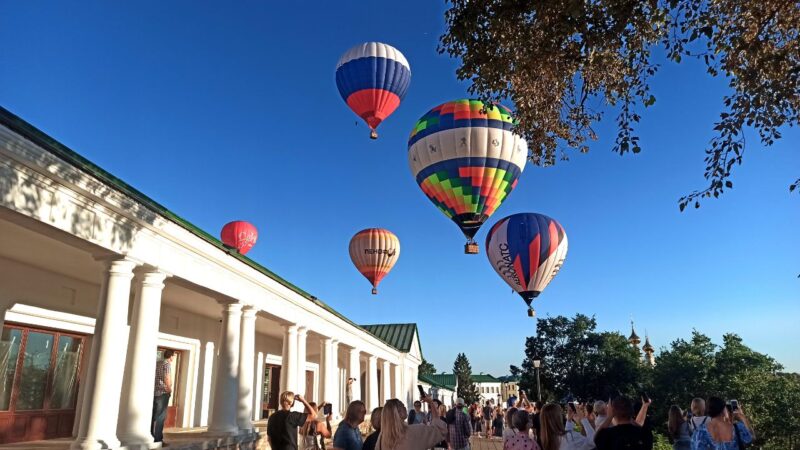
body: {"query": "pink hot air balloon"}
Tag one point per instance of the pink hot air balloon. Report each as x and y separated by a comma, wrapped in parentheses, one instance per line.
(239, 235)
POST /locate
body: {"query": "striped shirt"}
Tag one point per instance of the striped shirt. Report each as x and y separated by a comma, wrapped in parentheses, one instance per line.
(163, 371)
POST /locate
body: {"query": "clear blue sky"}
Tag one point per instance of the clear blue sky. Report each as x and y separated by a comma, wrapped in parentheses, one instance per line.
(231, 112)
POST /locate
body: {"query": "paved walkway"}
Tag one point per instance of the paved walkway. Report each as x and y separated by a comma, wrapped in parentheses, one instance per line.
(486, 444)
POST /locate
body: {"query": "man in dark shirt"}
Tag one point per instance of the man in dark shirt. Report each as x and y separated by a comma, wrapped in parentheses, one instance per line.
(458, 426)
(375, 420)
(626, 434)
(282, 424)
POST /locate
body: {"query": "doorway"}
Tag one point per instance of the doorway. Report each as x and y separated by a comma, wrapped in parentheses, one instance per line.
(39, 378)
(173, 408)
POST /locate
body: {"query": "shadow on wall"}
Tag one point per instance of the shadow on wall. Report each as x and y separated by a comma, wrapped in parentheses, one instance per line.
(28, 194)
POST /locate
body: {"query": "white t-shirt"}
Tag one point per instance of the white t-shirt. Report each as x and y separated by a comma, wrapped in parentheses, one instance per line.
(572, 440)
(599, 420)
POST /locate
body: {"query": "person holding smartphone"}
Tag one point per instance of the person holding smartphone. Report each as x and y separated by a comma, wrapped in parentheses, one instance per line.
(720, 434)
(282, 425)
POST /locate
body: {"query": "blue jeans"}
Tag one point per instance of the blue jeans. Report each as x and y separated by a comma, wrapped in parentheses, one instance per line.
(160, 403)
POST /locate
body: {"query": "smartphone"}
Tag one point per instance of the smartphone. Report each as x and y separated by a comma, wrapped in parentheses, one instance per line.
(327, 409)
(645, 397)
(572, 407)
(421, 391)
(734, 405)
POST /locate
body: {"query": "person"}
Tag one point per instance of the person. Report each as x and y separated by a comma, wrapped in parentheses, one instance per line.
(161, 394)
(600, 412)
(348, 436)
(316, 429)
(348, 394)
(555, 436)
(475, 417)
(497, 423)
(416, 416)
(697, 416)
(282, 425)
(487, 419)
(590, 413)
(626, 433)
(459, 427)
(375, 421)
(521, 440)
(510, 431)
(721, 434)
(396, 434)
(678, 429)
(442, 414)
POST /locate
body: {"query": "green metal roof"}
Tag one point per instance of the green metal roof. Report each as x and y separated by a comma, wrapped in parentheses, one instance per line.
(398, 335)
(448, 380)
(484, 379)
(33, 134)
(430, 379)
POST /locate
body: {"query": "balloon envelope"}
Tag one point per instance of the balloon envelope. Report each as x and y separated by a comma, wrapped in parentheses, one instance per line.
(374, 252)
(527, 251)
(466, 161)
(372, 79)
(239, 235)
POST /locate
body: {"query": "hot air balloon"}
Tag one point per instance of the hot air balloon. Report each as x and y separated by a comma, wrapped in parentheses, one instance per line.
(466, 161)
(373, 78)
(527, 251)
(239, 235)
(374, 252)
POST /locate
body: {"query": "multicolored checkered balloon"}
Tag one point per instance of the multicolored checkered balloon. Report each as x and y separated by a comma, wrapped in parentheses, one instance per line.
(466, 160)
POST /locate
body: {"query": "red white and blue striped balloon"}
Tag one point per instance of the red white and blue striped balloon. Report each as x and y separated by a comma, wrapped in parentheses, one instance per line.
(373, 78)
(527, 250)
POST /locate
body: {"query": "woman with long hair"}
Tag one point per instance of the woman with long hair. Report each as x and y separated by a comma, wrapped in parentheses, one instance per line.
(720, 433)
(678, 429)
(396, 434)
(375, 421)
(554, 436)
(521, 440)
(510, 430)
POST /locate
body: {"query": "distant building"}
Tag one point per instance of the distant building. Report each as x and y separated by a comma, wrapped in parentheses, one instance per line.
(489, 388)
(649, 352)
(510, 388)
(441, 387)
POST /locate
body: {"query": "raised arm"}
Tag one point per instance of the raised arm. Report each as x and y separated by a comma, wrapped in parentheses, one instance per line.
(312, 410)
(640, 418)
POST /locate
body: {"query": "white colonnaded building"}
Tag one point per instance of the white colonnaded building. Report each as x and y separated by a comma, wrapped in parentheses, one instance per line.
(97, 279)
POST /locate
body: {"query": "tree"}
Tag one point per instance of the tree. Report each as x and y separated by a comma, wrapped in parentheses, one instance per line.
(555, 59)
(463, 371)
(426, 368)
(579, 361)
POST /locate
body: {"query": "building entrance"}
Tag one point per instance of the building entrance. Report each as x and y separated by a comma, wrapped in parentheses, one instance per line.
(39, 377)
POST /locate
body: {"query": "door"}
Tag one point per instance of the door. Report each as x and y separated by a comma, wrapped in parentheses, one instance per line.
(272, 381)
(309, 393)
(39, 371)
(173, 409)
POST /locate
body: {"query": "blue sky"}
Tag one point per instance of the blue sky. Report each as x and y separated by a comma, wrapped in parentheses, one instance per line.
(231, 112)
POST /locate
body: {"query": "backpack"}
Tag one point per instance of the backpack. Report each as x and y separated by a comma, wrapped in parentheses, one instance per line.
(693, 427)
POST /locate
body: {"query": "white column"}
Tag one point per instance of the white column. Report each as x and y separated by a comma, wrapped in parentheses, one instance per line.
(372, 382)
(386, 382)
(334, 399)
(247, 344)
(136, 404)
(259, 386)
(354, 371)
(289, 360)
(398, 381)
(226, 386)
(302, 334)
(103, 383)
(326, 370)
(208, 374)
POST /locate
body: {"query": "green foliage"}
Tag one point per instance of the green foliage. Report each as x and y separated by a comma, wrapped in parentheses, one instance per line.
(578, 360)
(426, 368)
(463, 371)
(562, 62)
(590, 365)
(660, 442)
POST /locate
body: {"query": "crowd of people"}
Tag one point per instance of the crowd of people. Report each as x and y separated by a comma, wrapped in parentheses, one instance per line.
(711, 424)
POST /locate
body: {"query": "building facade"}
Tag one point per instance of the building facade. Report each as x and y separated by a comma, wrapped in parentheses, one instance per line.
(97, 280)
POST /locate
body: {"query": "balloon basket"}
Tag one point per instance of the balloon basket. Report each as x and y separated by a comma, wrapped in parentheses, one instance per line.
(374, 291)
(531, 312)
(373, 134)
(471, 248)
